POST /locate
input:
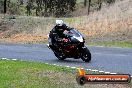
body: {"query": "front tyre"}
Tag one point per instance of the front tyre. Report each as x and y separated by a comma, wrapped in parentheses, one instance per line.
(86, 55)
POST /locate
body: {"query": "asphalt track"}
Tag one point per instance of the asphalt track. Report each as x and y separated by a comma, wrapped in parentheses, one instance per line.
(103, 58)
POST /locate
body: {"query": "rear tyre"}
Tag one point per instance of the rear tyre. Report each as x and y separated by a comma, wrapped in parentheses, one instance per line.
(86, 56)
(60, 57)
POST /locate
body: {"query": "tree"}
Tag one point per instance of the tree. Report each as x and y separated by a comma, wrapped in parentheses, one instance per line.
(21, 2)
(55, 8)
(99, 4)
(110, 1)
(1, 6)
(58, 7)
(39, 7)
(28, 7)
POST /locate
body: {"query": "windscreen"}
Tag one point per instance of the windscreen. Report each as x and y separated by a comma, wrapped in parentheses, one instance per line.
(72, 32)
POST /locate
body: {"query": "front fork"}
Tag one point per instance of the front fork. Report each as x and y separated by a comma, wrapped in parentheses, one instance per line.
(82, 50)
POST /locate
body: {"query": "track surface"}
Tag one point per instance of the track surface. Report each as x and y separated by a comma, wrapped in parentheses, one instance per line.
(103, 58)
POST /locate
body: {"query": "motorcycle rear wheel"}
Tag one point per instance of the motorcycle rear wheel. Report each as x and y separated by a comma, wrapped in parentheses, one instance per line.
(60, 57)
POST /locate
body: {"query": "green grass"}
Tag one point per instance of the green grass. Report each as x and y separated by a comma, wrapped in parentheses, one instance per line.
(127, 44)
(22, 74)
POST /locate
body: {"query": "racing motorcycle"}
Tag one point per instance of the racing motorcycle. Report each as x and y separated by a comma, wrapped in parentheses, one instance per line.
(71, 47)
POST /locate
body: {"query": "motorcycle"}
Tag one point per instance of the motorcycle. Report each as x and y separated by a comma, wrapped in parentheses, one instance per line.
(71, 47)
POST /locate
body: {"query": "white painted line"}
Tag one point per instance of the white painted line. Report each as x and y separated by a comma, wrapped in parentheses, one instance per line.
(78, 68)
(110, 47)
(7, 59)
(112, 54)
(83, 68)
(3, 58)
(101, 71)
(67, 66)
(60, 65)
(99, 46)
(14, 59)
(94, 70)
(113, 73)
(107, 72)
(89, 69)
(73, 67)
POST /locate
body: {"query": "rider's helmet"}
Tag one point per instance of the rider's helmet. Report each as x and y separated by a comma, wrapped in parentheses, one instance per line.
(60, 24)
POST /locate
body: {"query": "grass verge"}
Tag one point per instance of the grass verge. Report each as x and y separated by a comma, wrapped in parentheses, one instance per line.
(123, 44)
(23, 74)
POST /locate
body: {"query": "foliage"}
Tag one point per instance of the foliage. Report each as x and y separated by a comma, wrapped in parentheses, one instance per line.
(110, 1)
(56, 8)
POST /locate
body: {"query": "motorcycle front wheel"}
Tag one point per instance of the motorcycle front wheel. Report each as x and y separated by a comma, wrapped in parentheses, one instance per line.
(86, 56)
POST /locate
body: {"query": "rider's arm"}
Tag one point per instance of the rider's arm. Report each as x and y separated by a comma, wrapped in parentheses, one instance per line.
(66, 27)
(52, 32)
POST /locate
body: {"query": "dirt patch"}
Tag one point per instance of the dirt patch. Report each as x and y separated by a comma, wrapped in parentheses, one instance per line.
(25, 38)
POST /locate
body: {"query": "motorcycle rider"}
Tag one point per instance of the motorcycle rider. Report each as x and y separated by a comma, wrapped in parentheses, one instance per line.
(56, 34)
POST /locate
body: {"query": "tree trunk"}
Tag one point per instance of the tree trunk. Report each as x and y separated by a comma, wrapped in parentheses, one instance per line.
(85, 3)
(89, 3)
(5, 6)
